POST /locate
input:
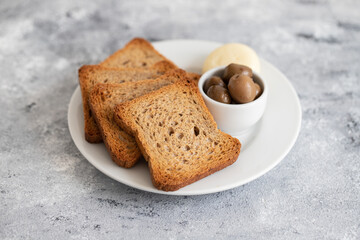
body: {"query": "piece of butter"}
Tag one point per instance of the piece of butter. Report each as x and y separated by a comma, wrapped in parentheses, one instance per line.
(232, 53)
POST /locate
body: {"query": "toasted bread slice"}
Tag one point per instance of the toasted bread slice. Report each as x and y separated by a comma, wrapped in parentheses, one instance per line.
(194, 76)
(104, 97)
(138, 53)
(89, 75)
(177, 135)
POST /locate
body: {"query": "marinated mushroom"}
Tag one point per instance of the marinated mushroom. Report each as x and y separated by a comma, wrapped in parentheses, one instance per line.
(219, 93)
(242, 88)
(233, 69)
(257, 90)
(215, 80)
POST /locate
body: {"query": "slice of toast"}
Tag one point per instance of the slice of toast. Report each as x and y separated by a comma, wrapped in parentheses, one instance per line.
(104, 97)
(138, 53)
(177, 135)
(194, 76)
(89, 75)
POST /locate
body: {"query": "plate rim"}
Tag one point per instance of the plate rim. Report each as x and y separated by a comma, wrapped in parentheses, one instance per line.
(289, 146)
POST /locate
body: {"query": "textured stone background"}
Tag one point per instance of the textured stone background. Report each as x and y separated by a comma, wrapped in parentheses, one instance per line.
(48, 190)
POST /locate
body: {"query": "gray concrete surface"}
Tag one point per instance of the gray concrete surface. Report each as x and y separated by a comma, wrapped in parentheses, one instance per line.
(48, 190)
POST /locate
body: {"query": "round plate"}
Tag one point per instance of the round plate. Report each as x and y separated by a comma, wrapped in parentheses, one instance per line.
(263, 147)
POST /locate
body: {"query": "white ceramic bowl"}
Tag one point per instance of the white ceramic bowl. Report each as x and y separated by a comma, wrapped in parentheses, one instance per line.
(235, 118)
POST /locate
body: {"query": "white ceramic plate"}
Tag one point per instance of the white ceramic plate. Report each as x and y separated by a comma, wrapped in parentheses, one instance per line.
(262, 148)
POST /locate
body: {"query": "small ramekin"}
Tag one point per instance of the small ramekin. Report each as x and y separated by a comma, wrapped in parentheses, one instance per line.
(235, 118)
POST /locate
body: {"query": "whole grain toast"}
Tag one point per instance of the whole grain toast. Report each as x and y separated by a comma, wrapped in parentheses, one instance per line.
(104, 97)
(138, 53)
(89, 75)
(194, 77)
(177, 135)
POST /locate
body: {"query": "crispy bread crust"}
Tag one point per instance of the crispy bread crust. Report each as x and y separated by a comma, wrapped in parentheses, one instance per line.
(120, 157)
(92, 132)
(134, 43)
(123, 149)
(125, 119)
